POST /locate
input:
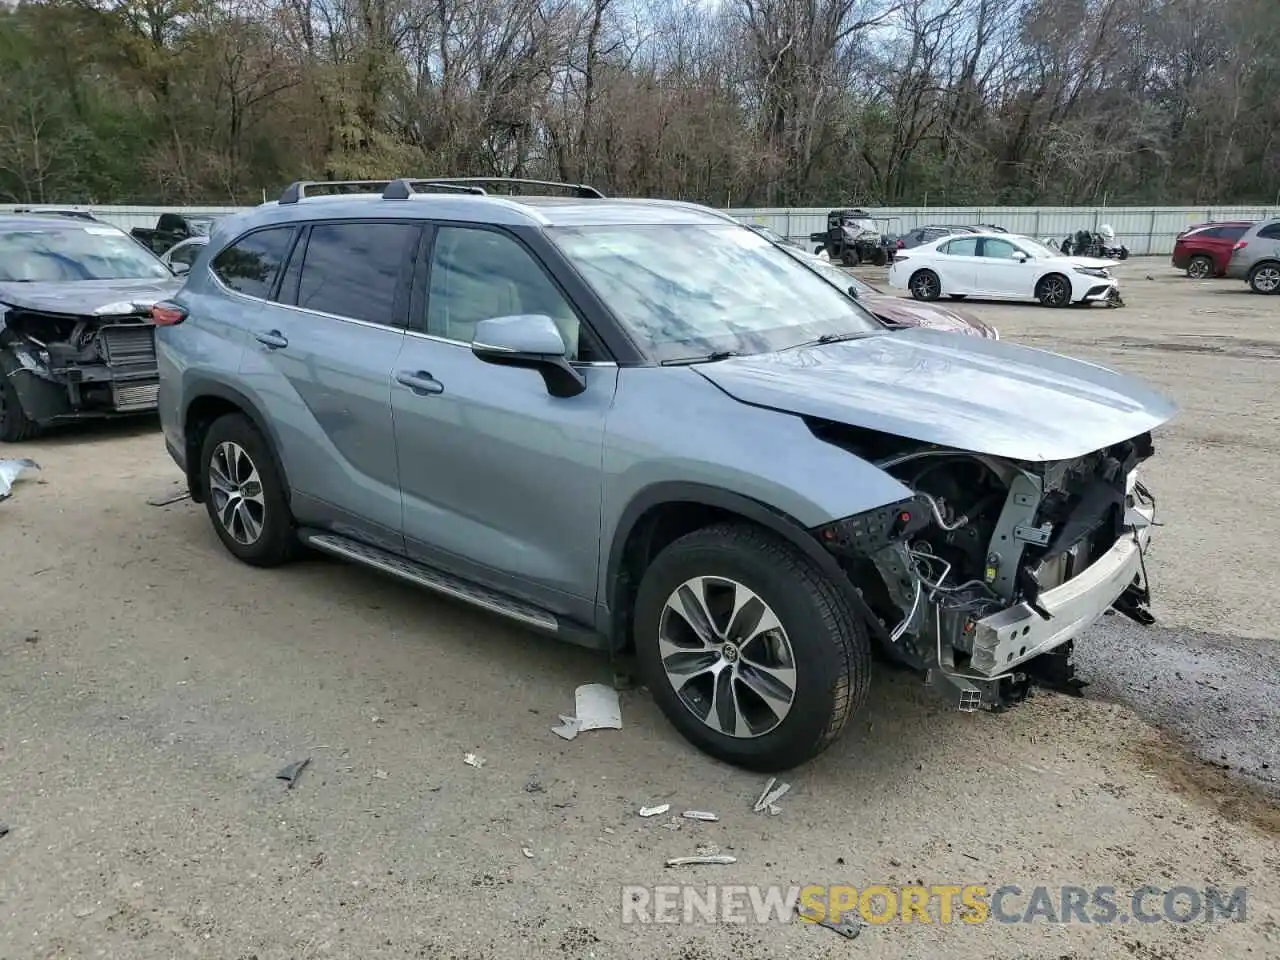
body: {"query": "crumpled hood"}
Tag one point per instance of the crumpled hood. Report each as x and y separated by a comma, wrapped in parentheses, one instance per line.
(1089, 262)
(968, 393)
(87, 297)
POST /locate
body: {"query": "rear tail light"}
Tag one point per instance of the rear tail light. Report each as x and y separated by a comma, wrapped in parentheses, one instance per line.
(1240, 245)
(900, 258)
(167, 314)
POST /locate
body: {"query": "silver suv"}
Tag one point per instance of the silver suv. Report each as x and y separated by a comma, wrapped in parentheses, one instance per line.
(1256, 257)
(641, 426)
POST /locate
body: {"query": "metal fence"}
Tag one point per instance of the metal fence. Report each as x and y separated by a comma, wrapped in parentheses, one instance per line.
(1144, 230)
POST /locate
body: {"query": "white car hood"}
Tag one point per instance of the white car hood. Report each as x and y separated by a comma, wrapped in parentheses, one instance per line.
(1087, 262)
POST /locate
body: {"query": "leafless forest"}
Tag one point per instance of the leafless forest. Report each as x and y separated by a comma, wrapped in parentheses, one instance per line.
(738, 102)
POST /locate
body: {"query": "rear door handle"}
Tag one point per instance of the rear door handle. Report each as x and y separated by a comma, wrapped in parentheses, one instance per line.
(420, 382)
(271, 338)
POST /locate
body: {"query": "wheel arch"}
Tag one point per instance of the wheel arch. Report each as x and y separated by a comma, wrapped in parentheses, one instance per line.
(663, 512)
(209, 400)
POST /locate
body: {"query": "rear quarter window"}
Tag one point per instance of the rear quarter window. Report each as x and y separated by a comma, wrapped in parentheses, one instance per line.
(1270, 232)
(251, 265)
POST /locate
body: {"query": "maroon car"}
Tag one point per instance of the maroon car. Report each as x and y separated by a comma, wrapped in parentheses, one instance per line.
(1204, 250)
(898, 312)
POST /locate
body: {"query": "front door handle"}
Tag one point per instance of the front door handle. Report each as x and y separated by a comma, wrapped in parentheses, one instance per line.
(271, 338)
(420, 382)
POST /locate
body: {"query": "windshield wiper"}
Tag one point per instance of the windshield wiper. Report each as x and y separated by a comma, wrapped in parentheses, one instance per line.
(836, 338)
(708, 358)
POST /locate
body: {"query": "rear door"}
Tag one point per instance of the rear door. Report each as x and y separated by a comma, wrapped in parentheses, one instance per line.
(956, 264)
(320, 361)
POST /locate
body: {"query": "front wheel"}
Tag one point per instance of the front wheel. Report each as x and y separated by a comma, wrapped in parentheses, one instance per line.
(1265, 278)
(925, 285)
(14, 423)
(244, 494)
(1054, 291)
(753, 654)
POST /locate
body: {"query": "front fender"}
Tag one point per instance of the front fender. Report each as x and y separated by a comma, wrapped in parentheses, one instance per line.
(673, 436)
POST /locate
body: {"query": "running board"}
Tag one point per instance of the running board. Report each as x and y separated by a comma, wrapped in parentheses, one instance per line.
(434, 580)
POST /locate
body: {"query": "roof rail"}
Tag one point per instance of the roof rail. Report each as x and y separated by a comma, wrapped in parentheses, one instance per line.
(300, 189)
(405, 187)
(585, 191)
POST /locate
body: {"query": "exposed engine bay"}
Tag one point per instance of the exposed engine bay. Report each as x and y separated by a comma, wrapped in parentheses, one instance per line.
(65, 366)
(987, 574)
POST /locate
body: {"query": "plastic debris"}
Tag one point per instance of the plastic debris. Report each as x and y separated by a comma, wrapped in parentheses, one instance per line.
(165, 501)
(596, 707)
(718, 858)
(10, 470)
(771, 795)
(292, 772)
(380, 774)
(848, 927)
(655, 811)
(700, 815)
(527, 852)
(471, 760)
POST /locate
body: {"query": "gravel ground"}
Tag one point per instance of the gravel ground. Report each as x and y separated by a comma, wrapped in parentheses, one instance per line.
(151, 687)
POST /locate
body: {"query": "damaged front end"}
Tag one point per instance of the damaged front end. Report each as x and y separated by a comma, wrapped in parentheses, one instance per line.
(74, 366)
(987, 574)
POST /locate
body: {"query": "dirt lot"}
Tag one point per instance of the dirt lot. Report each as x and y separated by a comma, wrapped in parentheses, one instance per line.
(151, 687)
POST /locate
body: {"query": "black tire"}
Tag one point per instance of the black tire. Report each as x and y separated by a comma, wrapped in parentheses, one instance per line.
(15, 427)
(277, 541)
(925, 285)
(1054, 290)
(1265, 277)
(880, 258)
(850, 258)
(819, 248)
(1200, 268)
(829, 647)
(957, 296)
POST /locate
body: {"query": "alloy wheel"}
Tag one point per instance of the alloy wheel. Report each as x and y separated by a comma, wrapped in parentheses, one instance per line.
(236, 492)
(1267, 279)
(1053, 291)
(727, 657)
(1198, 269)
(925, 286)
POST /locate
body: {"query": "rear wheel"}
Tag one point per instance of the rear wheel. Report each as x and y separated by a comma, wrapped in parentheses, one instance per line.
(244, 493)
(1265, 278)
(1200, 268)
(1054, 291)
(925, 285)
(850, 258)
(753, 654)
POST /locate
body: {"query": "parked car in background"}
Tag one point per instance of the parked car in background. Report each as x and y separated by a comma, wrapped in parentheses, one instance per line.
(57, 212)
(1003, 266)
(641, 426)
(1255, 257)
(172, 228)
(76, 333)
(893, 311)
(1204, 250)
(181, 255)
(927, 234)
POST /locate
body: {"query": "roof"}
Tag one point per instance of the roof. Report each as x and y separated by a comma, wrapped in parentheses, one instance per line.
(35, 221)
(536, 211)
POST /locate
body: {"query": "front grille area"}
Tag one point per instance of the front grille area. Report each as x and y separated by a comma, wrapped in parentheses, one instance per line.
(127, 397)
(128, 343)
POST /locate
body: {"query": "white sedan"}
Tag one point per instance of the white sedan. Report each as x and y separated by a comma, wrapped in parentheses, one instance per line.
(1002, 266)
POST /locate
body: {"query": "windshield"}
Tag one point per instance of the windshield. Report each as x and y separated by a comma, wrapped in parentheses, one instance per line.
(1035, 247)
(200, 226)
(689, 291)
(65, 254)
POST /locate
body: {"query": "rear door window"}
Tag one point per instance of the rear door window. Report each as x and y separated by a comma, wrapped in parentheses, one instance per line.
(251, 265)
(1233, 233)
(961, 247)
(358, 270)
(1270, 232)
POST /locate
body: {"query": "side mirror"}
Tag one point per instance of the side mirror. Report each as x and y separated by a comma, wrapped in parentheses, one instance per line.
(1020, 256)
(529, 340)
(180, 269)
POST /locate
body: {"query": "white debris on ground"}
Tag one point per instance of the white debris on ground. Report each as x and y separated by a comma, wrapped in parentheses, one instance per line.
(472, 760)
(596, 707)
(654, 811)
(10, 470)
(700, 815)
(771, 795)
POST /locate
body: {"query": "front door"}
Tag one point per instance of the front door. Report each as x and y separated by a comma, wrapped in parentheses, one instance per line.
(501, 482)
(320, 363)
(999, 274)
